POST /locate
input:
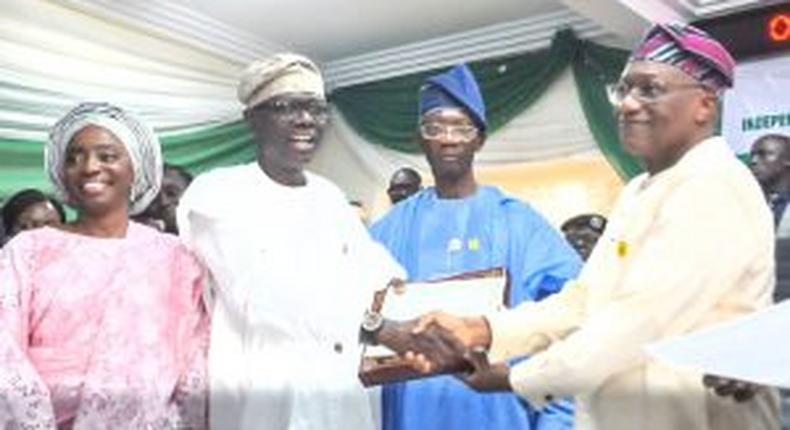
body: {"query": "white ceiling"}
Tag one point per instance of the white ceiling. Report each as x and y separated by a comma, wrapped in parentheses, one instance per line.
(332, 29)
(363, 40)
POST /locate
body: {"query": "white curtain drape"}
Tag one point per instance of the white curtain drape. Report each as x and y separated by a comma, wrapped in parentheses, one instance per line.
(51, 57)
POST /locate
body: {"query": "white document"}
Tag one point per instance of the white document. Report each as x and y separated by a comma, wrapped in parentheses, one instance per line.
(753, 348)
(463, 297)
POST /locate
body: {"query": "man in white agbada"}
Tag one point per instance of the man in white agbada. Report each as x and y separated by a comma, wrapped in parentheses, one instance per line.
(688, 244)
(293, 268)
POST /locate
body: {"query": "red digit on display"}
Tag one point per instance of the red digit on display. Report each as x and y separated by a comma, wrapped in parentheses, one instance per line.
(779, 27)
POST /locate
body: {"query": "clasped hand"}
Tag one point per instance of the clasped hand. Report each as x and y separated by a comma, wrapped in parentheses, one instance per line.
(444, 341)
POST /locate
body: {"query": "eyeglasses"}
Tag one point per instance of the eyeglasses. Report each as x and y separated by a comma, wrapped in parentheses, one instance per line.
(434, 131)
(646, 92)
(294, 109)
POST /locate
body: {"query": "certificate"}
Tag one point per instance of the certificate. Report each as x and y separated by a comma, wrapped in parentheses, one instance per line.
(466, 294)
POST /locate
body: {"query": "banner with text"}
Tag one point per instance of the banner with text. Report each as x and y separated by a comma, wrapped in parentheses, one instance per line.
(759, 104)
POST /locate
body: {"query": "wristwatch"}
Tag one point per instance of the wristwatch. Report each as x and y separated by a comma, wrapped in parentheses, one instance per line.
(372, 322)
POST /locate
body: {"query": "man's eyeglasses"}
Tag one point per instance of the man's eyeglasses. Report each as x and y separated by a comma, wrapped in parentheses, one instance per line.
(434, 131)
(646, 92)
(294, 109)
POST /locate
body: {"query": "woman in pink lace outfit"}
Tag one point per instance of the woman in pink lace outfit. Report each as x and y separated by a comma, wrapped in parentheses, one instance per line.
(102, 324)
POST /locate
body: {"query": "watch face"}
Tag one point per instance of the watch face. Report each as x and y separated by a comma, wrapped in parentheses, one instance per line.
(372, 321)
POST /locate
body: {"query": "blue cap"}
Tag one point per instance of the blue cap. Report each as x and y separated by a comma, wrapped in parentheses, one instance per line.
(456, 88)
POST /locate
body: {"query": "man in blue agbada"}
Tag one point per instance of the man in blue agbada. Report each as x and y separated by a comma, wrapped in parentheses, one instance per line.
(459, 226)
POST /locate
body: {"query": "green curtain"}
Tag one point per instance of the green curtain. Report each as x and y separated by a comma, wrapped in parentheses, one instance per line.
(385, 112)
(593, 67)
(196, 149)
(21, 165)
(214, 146)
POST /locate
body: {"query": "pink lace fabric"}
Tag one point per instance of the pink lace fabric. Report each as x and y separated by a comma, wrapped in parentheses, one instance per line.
(101, 333)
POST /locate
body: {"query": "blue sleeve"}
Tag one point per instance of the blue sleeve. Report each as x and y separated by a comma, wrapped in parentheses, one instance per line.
(383, 230)
(394, 229)
(556, 416)
(541, 260)
(378, 229)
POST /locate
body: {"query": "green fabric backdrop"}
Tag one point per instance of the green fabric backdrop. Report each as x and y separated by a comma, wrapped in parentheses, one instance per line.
(385, 112)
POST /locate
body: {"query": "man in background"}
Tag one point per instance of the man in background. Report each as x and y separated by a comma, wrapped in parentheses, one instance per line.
(583, 232)
(161, 213)
(770, 164)
(404, 183)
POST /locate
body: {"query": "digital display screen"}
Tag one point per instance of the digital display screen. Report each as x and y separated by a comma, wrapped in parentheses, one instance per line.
(752, 33)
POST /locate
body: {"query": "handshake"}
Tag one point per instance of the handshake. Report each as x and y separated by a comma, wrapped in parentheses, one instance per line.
(439, 343)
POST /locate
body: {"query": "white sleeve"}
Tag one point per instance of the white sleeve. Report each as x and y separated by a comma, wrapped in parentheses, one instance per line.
(532, 326)
(213, 245)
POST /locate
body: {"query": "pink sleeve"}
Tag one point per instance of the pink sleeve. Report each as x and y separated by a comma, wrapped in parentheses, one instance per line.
(15, 288)
(23, 394)
(191, 395)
